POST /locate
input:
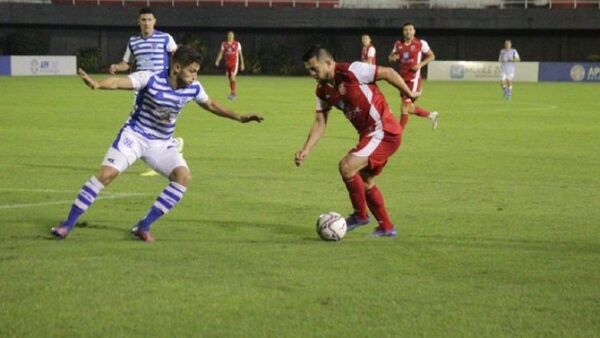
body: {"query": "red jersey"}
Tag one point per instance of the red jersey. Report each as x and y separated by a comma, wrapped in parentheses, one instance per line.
(355, 93)
(231, 52)
(410, 55)
(368, 54)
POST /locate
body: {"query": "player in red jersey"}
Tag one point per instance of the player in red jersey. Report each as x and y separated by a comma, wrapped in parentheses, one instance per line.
(409, 52)
(233, 53)
(367, 53)
(351, 88)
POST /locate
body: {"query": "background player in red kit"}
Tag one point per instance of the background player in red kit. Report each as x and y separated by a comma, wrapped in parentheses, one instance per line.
(351, 88)
(409, 52)
(233, 58)
(367, 54)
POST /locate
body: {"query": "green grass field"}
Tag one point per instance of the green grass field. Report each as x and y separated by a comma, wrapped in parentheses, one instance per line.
(498, 213)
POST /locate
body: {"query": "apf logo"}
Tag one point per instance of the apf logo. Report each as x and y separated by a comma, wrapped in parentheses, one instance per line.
(577, 73)
(593, 74)
(34, 66)
(457, 72)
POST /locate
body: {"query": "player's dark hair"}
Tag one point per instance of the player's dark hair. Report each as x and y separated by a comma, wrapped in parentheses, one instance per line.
(186, 55)
(317, 51)
(146, 10)
(409, 24)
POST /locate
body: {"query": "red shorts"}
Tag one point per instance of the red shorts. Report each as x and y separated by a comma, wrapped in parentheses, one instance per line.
(413, 85)
(378, 148)
(231, 69)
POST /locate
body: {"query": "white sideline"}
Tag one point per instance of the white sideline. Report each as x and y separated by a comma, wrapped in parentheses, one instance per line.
(107, 196)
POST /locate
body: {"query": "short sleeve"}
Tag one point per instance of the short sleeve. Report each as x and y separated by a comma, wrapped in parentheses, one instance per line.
(140, 79)
(425, 47)
(516, 55)
(322, 105)
(371, 52)
(127, 56)
(171, 45)
(202, 96)
(364, 72)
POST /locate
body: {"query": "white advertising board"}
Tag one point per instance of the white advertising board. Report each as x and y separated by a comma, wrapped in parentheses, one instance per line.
(34, 65)
(479, 71)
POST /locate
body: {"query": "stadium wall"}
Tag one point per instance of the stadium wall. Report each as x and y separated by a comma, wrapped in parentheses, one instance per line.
(538, 34)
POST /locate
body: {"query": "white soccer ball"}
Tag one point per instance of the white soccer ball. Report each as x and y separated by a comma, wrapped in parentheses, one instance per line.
(331, 226)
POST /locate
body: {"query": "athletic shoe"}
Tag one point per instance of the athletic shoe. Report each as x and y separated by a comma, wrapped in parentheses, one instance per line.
(378, 232)
(60, 232)
(149, 173)
(144, 235)
(353, 222)
(434, 116)
(231, 97)
(179, 144)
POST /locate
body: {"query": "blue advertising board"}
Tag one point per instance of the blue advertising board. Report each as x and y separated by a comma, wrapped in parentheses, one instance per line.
(570, 71)
(4, 65)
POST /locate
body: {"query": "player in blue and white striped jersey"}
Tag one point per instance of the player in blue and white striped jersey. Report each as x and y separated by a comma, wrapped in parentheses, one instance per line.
(148, 51)
(148, 134)
(508, 57)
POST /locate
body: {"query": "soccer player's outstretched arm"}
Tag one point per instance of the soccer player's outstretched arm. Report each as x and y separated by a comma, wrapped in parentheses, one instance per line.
(217, 109)
(316, 131)
(112, 82)
(390, 76)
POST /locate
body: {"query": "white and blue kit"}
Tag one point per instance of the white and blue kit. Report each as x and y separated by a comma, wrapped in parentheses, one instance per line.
(507, 64)
(150, 53)
(148, 133)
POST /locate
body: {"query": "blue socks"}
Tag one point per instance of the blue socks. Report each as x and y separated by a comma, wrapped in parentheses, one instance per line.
(87, 195)
(166, 201)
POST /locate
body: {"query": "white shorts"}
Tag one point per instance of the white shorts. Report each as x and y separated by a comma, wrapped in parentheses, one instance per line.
(508, 76)
(129, 146)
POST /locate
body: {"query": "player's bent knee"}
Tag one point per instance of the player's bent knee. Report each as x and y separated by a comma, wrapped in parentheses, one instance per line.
(368, 179)
(346, 170)
(106, 175)
(181, 175)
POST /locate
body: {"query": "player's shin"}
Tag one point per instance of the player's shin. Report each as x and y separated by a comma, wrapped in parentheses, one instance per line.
(356, 190)
(421, 112)
(166, 201)
(232, 86)
(87, 195)
(377, 207)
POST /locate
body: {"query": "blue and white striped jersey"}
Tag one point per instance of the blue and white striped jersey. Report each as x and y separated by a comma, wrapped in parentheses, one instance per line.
(151, 53)
(157, 105)
(506, 57)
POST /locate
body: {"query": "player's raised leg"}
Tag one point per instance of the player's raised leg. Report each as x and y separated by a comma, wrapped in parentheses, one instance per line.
(409, 107)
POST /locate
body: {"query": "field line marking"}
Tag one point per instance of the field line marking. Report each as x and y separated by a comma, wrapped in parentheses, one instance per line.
(109, 196)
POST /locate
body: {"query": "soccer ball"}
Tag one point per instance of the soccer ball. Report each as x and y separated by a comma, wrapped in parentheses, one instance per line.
(331, 226)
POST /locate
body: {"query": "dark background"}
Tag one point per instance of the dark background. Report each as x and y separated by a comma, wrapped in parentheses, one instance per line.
(538, 34)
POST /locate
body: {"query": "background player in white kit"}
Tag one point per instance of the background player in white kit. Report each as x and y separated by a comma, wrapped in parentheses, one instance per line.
(149, 51)
(148, 134)
(508, 57)
(367, 53)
